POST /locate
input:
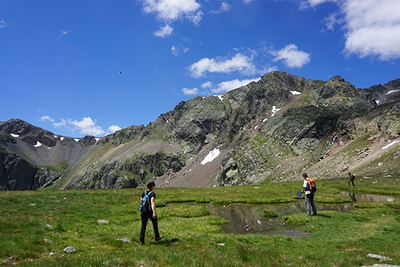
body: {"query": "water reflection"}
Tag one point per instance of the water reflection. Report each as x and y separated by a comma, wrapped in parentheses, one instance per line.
(244, 218)
(368, 197)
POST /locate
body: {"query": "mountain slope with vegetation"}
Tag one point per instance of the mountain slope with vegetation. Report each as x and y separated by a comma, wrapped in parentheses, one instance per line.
(270, 130)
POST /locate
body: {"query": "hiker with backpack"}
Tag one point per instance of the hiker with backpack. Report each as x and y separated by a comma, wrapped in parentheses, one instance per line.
(309, 188)
(148, 211)
(351, 179)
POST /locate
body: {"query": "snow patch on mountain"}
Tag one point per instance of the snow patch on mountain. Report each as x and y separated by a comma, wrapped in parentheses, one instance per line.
(274, 110)
(295, 93)
(211, 156)
(391, 144)
(392, 91)
(38, 144)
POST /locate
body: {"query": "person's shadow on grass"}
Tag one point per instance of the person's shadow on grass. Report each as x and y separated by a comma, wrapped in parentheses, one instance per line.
(166, 242)
(323, 215)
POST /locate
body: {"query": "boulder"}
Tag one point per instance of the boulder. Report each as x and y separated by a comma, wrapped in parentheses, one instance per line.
(69, 249)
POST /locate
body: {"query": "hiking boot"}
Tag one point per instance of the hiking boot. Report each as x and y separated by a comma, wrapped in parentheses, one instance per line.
(159, 238)
(141, 243)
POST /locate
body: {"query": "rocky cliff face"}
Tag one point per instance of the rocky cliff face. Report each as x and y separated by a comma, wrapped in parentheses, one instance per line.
(311, 132)
(33, 157)
(127, 173)
(270, 130)
(383, 94)
(18, 174)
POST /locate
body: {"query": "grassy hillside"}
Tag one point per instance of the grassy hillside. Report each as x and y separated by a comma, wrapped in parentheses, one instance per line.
(35, 224)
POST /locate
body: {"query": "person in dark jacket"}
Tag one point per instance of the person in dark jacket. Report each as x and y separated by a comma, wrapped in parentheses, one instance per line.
(150, 213)
(351, 179)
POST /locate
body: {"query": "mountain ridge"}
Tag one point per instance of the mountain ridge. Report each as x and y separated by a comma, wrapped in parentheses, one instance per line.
(259, 129)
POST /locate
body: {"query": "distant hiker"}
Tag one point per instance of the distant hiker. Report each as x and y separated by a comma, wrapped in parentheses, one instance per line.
(148, 211)
(309, 189)
(351, 179)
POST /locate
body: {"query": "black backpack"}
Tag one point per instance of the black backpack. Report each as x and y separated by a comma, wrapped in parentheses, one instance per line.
(311, 186)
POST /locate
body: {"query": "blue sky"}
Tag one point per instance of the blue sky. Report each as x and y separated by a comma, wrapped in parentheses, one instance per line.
(94, 66)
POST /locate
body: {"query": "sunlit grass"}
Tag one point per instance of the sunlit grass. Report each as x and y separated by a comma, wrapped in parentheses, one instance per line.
(192, 236)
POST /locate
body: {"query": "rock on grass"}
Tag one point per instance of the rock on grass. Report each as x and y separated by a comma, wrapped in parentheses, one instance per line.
(69, 249)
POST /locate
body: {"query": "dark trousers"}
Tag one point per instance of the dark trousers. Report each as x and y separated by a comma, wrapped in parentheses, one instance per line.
(145, 218)
(310, 204)
(350, 181)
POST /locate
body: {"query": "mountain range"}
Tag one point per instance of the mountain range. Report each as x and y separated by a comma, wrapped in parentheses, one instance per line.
(271, 130)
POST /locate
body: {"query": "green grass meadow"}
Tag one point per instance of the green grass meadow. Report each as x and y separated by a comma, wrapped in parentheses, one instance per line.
(192, 236)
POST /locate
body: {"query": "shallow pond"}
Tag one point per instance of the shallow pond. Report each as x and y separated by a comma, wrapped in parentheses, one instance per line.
(244, 218)
(368, 197)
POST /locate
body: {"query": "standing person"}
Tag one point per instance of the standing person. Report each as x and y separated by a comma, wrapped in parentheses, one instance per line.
(309, 195)
(149, 212)
(351, 179)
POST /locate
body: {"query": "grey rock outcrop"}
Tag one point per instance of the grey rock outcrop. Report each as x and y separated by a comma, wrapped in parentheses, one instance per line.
(383, 94)
(18, 174)
(88, 140)
(127, 173)
(195, 119)
(124, 135)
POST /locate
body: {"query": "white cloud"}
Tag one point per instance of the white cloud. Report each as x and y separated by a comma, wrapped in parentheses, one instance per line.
(61, 123)
(239, 63)
(188, 91)
(291, 56)
(64, 32)
(3, 24)
(196, 17)
(331, 21)
(113, 128)
(46, 118)
(164, 31)
(247, 1)
(171, 10)
(206, 85)
(266, 69)
(313, 3)
(230, 85)
(373, 28)
(174, 51)
(86, 126)
(225, 7)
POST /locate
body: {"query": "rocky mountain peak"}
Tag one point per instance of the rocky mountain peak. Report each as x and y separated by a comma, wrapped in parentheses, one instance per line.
(124, 135)
(27, 132)
(394, 84)
(337, 78)
(383, 94)
(88, 140)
